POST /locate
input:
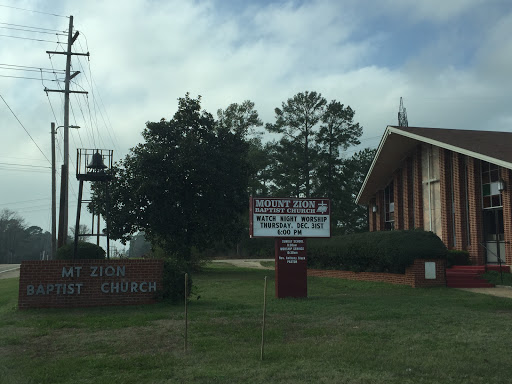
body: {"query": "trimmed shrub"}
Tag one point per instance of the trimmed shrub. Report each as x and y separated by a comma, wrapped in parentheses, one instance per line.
(173, 282)
(383, 251)
(456, 257)
(84, 251)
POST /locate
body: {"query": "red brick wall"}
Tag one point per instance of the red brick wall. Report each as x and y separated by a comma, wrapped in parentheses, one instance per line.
(414, 275)
(380, 217)
(407, 192)
(507, 213)
(460, 177)
(417, 188)
(476, 251)
(372, 216)
(42, 284)
(459, 198)
(398, 197)
(445, 174)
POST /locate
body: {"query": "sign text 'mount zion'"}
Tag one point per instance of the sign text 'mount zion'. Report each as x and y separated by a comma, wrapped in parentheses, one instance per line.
(288, 217)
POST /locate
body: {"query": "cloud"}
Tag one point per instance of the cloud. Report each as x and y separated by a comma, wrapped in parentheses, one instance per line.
(448, 59)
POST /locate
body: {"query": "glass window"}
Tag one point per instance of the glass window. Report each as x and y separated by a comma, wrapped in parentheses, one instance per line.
(389, 207)
(490, 182)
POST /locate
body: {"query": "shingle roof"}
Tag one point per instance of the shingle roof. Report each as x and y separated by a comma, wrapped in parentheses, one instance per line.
(398, 142)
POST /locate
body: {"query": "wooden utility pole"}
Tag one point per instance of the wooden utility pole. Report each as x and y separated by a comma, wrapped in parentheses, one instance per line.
(54, 198)
(63, 209)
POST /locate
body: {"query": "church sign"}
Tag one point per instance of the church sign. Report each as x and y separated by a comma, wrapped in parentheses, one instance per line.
(274, 217)
(290, 221)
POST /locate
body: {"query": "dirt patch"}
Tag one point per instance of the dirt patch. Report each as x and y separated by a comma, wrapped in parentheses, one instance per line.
(162, 336)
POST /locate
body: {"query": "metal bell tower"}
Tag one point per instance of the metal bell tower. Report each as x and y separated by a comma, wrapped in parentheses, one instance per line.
(92, 165)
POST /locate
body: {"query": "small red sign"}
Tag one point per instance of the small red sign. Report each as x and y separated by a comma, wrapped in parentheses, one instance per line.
(291, 267)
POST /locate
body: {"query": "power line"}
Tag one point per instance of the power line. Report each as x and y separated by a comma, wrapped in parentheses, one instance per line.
(20, 158)
(51, 106)
(2, 168)
(31, 10)
(25, 201)
(29, 70)
(26, 165)
(27, 26)
(40, 150)
(29, 30)
(113, 137)
(28, 38)
(52, 70)
(28, 78)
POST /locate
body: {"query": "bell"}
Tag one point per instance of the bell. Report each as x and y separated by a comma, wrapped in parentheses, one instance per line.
(97, 164)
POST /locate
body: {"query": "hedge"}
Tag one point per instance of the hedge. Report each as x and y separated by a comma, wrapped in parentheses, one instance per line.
(84, 251)
(382, 251)
(456, 257)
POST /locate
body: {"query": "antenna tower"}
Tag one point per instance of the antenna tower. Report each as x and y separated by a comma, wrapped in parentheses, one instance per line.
(402, 115)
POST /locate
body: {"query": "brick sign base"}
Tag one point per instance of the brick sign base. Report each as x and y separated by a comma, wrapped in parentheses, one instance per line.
(88, 283)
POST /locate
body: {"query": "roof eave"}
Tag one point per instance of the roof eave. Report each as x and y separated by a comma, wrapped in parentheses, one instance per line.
(453, 148)
(379, 149)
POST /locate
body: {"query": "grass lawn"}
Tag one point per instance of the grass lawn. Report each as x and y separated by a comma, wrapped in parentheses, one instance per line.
(345, 332)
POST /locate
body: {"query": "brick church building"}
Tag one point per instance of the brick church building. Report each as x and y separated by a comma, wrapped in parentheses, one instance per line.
(455, 183)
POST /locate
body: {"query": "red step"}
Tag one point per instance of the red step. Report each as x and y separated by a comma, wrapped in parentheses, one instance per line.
(493, 267)
(466, 284)
(468, 276)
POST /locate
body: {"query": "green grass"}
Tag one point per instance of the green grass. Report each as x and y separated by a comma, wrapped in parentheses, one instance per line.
(496, 278)
(268, 264)
(345, 332)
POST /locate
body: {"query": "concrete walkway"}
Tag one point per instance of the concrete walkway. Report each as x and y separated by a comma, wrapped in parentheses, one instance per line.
(499, 290)
(245, 263)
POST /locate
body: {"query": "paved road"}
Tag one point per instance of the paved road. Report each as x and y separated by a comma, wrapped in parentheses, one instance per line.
(9, 270)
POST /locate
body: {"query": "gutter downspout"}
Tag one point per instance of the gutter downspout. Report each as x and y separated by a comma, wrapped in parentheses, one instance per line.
(429, 187)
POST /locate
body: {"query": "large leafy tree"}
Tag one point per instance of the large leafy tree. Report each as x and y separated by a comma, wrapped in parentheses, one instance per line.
(309, 158)
(139, 246)
(12, 235)
(349, 216)
(185, 186)
(243, 120)
(21, 242)
(337, 132)
(296, 121)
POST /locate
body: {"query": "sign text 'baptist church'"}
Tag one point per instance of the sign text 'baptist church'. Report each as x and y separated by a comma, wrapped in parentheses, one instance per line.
(288, 217)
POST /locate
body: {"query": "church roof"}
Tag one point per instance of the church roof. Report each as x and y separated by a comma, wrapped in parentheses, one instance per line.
(398, 142)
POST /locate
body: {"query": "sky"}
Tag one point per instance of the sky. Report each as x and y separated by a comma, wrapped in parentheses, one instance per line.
(449, 60)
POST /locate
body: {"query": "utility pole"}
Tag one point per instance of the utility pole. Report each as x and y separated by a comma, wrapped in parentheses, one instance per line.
(63, 209)
(54, 197)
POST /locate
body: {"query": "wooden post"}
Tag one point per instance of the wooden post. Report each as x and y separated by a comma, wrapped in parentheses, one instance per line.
(54, 198)
(264, 313)
(186, 311)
